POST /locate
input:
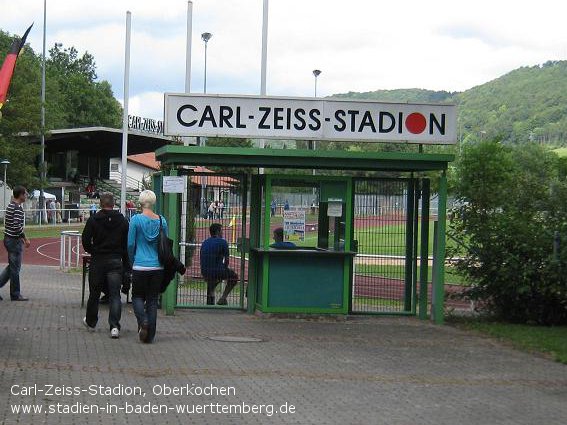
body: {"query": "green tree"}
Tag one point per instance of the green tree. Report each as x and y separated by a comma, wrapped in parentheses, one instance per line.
(86, 101)
(74, 98)
(513, 203)
(230, 142)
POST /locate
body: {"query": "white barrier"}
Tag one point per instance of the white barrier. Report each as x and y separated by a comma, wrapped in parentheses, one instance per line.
(69, 258)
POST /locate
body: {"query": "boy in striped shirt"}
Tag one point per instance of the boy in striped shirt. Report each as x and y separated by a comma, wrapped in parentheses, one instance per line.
(14, 240)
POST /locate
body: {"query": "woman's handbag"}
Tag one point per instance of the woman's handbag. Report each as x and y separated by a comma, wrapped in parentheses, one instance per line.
(165, 246)
(166, 257)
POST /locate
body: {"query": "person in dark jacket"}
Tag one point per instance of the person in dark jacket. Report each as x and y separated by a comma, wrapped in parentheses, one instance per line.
(214, 258)
(105, 237)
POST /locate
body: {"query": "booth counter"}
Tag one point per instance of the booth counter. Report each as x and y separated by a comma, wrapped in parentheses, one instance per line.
(303, 280)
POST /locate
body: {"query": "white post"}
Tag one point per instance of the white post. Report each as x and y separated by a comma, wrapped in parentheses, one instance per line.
(78, 250)
(125, 116)
(264, 49)
(42, 155)
(264, 63)
(70, 245)
(62, 252)
(188, 47)
(184, 197)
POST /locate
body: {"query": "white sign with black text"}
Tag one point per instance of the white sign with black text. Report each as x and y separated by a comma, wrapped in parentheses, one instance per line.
(173, 184)
(308, 119)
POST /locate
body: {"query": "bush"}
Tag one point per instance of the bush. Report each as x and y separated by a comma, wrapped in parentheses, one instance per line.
(513, 222)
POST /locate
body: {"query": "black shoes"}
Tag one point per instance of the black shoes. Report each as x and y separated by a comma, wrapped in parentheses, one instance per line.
(143, 332)
(20, 298)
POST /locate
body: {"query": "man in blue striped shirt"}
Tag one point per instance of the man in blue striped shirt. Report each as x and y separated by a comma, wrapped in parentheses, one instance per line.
(14, 240)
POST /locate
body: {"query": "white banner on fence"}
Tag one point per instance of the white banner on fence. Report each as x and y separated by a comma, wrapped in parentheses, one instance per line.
(308, 119)
(294, 225)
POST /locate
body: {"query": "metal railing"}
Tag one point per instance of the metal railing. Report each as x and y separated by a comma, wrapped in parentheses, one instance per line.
(131, 182)
(57, 217)
(68, 257)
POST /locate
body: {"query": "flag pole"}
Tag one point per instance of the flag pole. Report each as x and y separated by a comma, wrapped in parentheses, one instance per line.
(184, 197)
(42, 176)
(124, 171)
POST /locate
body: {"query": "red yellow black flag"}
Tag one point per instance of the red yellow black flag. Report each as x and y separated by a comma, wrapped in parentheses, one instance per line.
(9, 64)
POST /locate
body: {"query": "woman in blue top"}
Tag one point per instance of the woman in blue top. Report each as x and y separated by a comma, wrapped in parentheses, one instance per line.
(147, 271)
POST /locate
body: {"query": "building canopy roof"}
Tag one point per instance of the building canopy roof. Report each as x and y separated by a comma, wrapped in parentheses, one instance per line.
(306, 159)
(97, 140)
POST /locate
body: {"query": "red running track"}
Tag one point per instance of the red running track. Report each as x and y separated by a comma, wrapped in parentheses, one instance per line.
(41, 252)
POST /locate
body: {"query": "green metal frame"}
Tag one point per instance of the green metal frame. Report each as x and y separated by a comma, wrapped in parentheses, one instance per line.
(438, 289)
(410, 282)
(255, 220)
(417, 194)
(424, 254)
(306, 159)
(171, 214)
(410, 212)
(173, 155)
(243, 180)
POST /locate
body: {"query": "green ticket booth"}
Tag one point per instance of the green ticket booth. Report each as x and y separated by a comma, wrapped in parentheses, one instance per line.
(353, 237)
(314, 276)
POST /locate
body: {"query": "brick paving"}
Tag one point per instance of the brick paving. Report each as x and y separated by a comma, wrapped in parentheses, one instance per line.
(364, 370)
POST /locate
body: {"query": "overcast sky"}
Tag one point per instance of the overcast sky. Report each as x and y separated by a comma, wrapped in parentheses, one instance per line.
(360, 45)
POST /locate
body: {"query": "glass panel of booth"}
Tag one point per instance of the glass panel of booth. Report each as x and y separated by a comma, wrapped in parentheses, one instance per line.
(305, 212)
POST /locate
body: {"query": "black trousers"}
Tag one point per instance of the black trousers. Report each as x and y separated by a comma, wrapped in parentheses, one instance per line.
(216, 278)
(145, 293)
(104, 271)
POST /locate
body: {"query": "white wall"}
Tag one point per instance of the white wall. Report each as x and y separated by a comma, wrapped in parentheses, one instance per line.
(135, 172)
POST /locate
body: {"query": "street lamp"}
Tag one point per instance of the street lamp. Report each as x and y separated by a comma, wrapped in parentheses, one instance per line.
(5, 162)
(206, 36)
(316, 73)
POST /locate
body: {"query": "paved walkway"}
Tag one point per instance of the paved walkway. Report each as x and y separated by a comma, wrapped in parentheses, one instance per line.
(360, 371)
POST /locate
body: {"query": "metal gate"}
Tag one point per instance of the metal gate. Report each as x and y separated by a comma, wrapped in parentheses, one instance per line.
(384, 268)
(213, 198)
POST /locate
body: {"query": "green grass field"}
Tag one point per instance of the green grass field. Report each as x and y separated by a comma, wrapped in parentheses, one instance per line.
(549, 340)
(398, 272)
(47, 231)
(362, 304)
(389, 239)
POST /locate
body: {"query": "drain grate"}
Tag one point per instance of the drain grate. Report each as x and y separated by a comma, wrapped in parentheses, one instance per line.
(228, 338)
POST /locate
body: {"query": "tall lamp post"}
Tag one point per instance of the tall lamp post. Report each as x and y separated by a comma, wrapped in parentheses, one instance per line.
(316, 73)
(206, 36)
(5, 163)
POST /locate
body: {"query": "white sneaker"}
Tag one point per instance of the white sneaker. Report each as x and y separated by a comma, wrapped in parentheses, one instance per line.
(89, 328)
(115, 333)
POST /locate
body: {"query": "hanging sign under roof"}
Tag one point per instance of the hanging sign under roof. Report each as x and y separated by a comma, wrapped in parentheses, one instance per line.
(308, 119)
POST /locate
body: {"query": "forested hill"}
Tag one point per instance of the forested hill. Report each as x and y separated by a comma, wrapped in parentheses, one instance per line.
(401, 95)
(529, 103)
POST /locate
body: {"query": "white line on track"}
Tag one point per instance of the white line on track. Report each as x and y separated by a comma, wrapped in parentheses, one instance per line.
(45, 255)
